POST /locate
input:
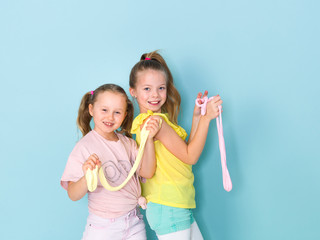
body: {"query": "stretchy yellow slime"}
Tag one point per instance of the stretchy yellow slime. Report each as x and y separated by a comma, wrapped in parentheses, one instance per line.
(92, 175)
(92, 179)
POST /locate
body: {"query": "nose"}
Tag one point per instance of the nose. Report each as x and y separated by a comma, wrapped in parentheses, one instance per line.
(155, 93)
(110, 116)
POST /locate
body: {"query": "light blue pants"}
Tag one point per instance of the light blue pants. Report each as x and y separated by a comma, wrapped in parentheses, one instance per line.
(169, 221)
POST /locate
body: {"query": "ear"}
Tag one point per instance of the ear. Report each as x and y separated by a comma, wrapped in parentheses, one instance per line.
(132, 92)
(91, 109)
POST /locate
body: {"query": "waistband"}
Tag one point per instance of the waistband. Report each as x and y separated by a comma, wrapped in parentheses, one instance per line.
(133, 212)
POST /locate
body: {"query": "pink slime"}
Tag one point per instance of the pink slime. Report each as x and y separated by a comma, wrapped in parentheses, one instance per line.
(202, 103)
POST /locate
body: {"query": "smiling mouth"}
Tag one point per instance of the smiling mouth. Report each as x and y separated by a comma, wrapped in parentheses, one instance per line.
(108, 124)
(154, 102)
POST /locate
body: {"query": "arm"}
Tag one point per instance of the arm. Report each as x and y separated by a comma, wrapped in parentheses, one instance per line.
(194, 127)
(149, 163)
(77, 190)
(190, 153)
(187, 153)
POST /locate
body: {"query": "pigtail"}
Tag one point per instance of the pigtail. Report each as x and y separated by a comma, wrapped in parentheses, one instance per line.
(172, 105)
(127, 122)
(84, 117)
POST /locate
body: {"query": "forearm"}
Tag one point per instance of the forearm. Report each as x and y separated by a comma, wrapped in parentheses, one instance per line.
(194, 127)
(77, 190)
(197, 142)
(148, 161)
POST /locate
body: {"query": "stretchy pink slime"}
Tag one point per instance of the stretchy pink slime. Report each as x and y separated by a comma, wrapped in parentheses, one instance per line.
(202, 103)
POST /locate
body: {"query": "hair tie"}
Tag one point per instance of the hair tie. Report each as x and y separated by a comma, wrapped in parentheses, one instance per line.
(147, 58)
(92, 92)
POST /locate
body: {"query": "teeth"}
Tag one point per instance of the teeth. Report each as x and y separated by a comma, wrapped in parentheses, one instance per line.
(154, 102)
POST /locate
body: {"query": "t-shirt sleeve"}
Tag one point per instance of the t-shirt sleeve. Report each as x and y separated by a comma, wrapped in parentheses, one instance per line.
(73, 170)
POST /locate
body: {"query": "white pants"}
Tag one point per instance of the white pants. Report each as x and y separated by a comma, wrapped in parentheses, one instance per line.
(130, 226)
(192, 233)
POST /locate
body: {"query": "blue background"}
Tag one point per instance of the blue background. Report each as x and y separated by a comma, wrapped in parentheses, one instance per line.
(262, 57)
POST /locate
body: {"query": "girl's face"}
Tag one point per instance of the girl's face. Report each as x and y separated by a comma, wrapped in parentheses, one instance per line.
(108, 112)
(150, 90)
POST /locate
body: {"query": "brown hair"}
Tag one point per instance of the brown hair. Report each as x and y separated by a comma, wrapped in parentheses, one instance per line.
(84, 117)
(156, 62)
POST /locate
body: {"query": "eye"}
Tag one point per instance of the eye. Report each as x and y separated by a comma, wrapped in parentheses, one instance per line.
(104, 110)
(117, 112)
(162, 88)
(146, 89)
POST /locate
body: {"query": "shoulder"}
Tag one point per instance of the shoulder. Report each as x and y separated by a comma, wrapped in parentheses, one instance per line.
(178, 129)
(88, 138)
(138, 121)
(128, 143)
(85, 142)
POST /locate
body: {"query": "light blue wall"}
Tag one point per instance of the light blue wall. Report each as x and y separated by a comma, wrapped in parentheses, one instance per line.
(262, 57)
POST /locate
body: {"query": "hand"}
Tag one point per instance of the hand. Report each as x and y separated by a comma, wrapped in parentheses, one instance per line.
(91, 163)
(213, 107)
(197, 109)
(153, 126)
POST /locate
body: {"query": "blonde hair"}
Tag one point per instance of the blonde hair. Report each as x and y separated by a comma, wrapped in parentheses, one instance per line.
(84, 117)
(155, 61)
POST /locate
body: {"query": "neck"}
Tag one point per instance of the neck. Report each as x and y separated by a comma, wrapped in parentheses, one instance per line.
(109, 136)
(112, 137)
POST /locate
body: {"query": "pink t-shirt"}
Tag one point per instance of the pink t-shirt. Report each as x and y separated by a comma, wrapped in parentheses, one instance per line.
(117, 158)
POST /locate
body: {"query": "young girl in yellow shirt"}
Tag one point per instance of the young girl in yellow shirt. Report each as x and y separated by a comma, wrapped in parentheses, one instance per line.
(170, 192)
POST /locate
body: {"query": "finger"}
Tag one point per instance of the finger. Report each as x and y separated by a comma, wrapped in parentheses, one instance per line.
(152, 127)
(92, 157)
(88, 165)
(92, 165)
(152, 119)
(205, 94)
(219, 102)
(150, 123)
(216, 98)
(155, 121)
(199, 95)
(95, 158)
(91, 161)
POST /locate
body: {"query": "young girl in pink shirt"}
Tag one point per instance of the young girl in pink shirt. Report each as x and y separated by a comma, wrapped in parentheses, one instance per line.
(112, 214)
